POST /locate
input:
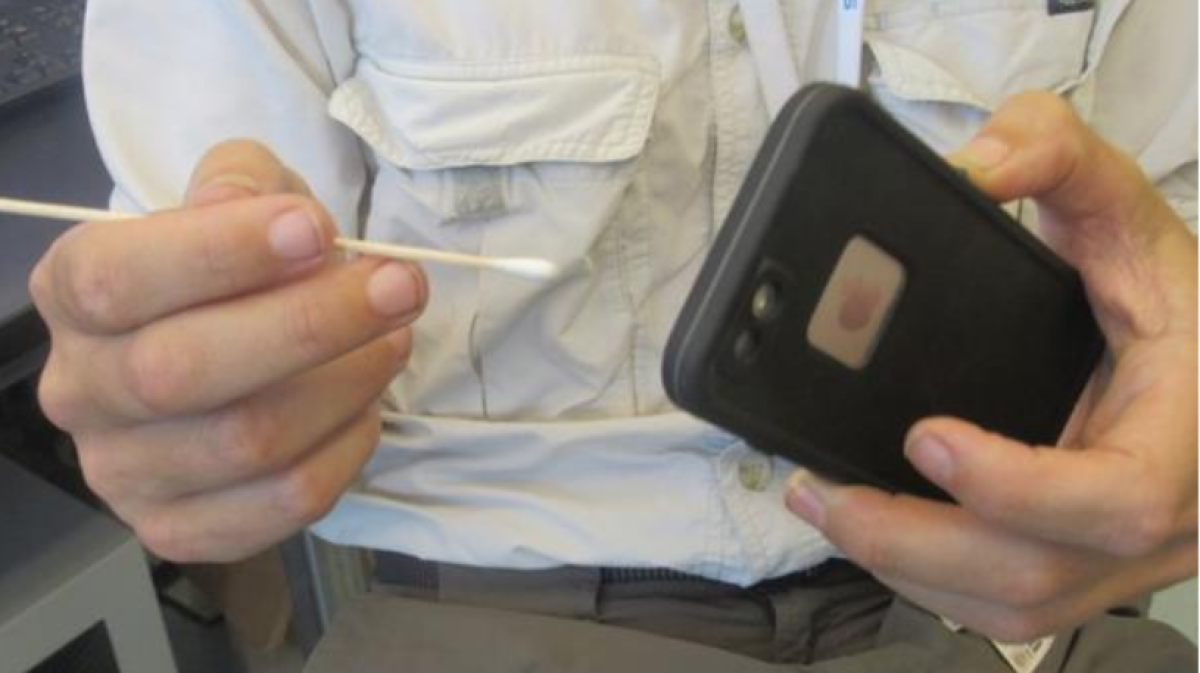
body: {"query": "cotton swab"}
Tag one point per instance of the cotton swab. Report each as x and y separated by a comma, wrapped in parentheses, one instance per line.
(55, 211)
(524, 267)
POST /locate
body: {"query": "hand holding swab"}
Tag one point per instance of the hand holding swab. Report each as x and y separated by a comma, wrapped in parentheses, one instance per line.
(525, 267)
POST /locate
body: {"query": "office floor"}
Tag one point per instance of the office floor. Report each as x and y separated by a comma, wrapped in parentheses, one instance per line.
(204, 648)
(1177, 606)
(287, 660)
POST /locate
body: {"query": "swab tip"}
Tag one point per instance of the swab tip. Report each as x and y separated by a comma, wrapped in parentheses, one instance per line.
(528, 267)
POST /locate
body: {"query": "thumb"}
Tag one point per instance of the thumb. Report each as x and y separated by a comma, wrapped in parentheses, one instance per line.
(240, 168)
(1098, 212)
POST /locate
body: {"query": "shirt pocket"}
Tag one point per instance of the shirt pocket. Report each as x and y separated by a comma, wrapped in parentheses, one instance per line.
(432, 115)
(429, 118)
(528, 157)
(942, 66)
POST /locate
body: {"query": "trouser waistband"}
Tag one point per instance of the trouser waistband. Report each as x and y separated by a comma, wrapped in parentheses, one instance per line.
(570, 591)
(818, 612)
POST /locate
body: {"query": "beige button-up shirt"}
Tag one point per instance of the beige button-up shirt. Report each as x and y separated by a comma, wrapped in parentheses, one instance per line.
(531, 428)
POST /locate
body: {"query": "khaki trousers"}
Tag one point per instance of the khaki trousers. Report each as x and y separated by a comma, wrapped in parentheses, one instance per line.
(837, 619)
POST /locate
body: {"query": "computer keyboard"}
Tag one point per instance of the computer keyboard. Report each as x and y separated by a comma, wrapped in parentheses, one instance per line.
(39, 45)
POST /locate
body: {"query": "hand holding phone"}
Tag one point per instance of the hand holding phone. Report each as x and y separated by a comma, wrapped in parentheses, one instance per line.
(860, 284)
(1041, 538)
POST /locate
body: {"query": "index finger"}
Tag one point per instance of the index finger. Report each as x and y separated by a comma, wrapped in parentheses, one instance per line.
(112, 277)
(1097, 210)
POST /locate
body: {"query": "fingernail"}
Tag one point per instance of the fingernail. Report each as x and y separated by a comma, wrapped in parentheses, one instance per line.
(392, 290)
(296, 236)
(226, 188)
(806, 498)
(984, 153)
(932, 457)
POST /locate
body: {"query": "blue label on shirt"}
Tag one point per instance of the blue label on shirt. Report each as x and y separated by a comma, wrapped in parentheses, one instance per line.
(1067, 6)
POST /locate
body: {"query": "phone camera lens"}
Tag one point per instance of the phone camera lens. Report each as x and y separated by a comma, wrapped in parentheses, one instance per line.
(765, 303)
(746, 347)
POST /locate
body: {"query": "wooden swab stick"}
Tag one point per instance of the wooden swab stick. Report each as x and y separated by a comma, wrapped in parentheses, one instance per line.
(525, 267)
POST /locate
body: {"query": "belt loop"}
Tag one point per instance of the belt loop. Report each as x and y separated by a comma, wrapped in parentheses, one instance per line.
(793, 623)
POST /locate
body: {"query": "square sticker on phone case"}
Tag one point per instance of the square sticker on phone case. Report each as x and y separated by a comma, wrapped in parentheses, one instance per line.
(857, 304)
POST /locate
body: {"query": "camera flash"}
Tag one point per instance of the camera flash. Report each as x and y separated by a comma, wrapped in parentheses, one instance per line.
(856, 304)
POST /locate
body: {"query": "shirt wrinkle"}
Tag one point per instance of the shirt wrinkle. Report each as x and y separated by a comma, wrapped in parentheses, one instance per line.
(530, 428)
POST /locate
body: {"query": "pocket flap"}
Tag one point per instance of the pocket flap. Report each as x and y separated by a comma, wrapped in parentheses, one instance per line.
(976, 53)
(427, 115)
(912, 75)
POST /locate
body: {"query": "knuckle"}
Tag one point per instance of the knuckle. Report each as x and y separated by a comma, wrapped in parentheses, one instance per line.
(1145, 528)
(91, 290)
(170, 535)
(303, 497)
(160, 374)
(306, 322)
(220, 253)
(245, 438)
(1033, 586)
(41, 286)
(1056, 123)
(1069, 153)
(1050, 109)
(995, 502)
(1017, 627)
(99, 472)
(58, 397)
(1148, 535)
(875, 550)
(1064, 128)
(167, 538)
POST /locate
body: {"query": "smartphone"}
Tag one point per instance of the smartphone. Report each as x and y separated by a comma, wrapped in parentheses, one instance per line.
(860, 284)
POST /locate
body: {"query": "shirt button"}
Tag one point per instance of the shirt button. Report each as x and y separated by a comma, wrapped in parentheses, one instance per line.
(754, 472)
(737, 26)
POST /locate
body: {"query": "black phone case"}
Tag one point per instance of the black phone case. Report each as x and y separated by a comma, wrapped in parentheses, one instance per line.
(990, 325)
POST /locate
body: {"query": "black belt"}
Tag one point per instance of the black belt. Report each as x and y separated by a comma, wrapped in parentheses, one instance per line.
(402, 570)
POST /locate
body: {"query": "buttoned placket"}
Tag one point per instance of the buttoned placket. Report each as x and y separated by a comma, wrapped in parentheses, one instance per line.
(754, 33)
(755, 471)
(738, 79)
(738, 125)
(760, 26)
